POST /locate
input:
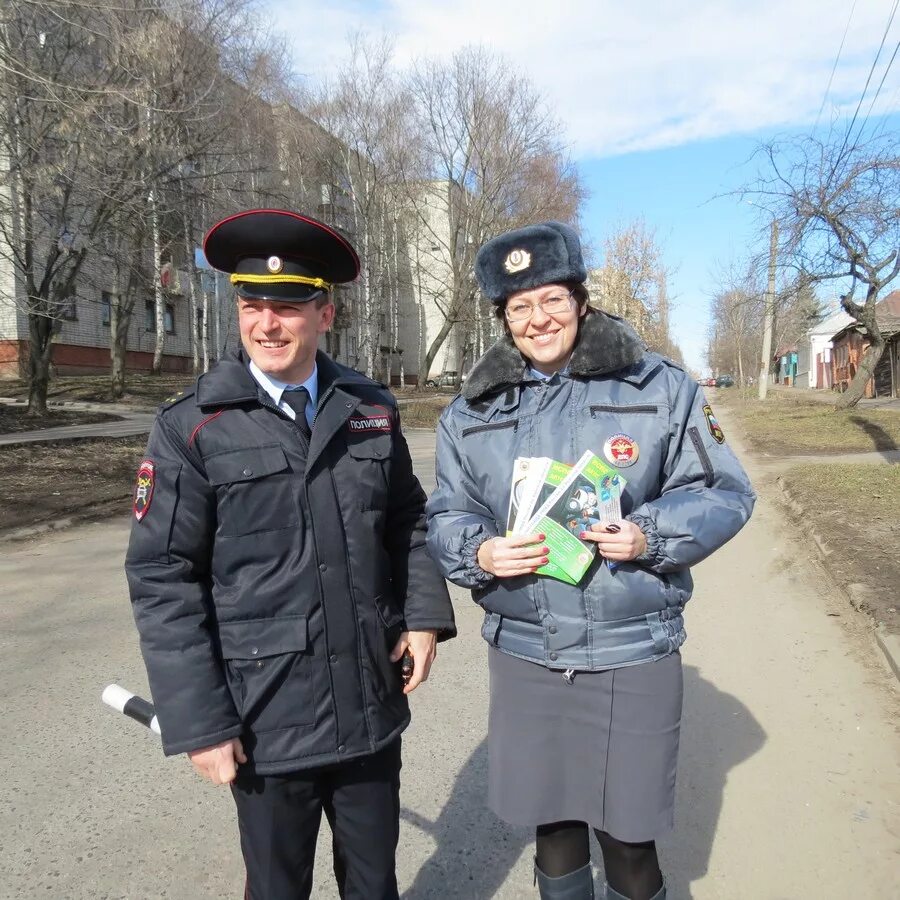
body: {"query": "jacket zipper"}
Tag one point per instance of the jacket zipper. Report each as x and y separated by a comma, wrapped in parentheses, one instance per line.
(512, 423)
(624, 409)
(704, 456)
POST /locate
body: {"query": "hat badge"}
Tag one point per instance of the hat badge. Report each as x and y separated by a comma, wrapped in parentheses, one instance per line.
(517, 261)
(274, 264)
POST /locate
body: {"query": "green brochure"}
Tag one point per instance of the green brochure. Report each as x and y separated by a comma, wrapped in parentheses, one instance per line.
(585, 494)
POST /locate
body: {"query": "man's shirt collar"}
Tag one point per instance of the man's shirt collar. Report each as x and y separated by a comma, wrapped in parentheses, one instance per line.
(275, 388)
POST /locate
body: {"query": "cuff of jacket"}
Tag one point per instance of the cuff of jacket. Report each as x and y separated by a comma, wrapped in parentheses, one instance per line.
(472, 571)
(445, 630)
(654, 554)
(200, 742)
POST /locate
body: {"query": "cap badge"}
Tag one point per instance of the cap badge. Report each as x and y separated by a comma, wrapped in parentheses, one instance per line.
(621, 450)
(517, 261)
(274, 264)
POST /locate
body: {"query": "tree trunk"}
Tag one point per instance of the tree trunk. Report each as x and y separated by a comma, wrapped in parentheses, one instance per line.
(866, 370)
(40, 330)
(158, 298)
(118, 330)
(437, 343)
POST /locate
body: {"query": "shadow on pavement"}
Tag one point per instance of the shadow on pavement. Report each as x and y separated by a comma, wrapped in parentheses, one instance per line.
(475, 850)
(717, 733)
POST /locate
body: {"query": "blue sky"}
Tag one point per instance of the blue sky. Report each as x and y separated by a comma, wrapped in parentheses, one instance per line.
(661, 104)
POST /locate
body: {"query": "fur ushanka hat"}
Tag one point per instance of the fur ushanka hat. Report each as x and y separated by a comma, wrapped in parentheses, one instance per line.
(527, 258)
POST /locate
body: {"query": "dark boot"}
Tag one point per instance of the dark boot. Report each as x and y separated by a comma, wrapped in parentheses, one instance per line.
(577, 885)
(615, 895)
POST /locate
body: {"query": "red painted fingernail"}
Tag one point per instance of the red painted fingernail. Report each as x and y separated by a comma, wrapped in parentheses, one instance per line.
(544, 561)
(542, 537)
(545, 549)
(583, 535)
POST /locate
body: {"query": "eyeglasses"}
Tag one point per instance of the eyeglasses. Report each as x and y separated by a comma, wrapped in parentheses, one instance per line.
(519, 311)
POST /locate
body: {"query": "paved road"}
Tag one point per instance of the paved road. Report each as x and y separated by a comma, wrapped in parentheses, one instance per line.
(788, 784)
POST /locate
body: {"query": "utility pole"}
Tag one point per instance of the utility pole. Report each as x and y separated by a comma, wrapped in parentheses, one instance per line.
(769, 321)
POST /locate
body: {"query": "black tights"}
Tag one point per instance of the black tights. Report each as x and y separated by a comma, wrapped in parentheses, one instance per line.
(631, 869)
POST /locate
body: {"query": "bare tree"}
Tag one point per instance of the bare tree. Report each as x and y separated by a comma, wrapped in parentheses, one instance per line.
(111, 123)
(491, 158)
(838, 205)
(634, 284)
(362, 115)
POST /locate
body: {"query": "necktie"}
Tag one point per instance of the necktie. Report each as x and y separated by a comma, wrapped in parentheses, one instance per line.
(297, 399)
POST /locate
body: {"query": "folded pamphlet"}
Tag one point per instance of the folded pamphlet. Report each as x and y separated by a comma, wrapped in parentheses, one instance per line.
(561, 501)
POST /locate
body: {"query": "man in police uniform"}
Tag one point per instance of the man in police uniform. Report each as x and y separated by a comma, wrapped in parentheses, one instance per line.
(278, 572)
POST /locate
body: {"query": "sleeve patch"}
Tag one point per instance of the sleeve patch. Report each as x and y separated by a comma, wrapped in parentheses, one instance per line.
(715, 429)
(143, 489)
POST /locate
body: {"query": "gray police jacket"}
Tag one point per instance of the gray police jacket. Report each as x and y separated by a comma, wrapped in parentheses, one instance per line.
(686, 490)
(270, 577)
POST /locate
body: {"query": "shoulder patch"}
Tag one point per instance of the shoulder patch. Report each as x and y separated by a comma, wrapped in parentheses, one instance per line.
(143, 489)
(715, 429)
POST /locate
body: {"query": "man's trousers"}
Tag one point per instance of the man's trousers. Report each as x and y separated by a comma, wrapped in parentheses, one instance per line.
(279, 817)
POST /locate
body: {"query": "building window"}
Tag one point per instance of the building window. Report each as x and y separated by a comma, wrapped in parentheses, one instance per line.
(150, 317)
(105, 308)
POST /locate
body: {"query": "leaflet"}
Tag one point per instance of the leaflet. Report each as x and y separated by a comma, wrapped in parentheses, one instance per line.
(582, 495)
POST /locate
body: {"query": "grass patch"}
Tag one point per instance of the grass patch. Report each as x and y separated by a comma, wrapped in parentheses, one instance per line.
(854, 509)
(780, 426)
(58, 479)
(141, 390)
(423, 413)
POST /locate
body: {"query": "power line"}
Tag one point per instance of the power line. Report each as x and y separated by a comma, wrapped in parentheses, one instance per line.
(834, 67)
(883, 77)
(868, 80)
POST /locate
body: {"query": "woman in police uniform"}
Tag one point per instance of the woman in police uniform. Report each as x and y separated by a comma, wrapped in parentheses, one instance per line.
(585, 679)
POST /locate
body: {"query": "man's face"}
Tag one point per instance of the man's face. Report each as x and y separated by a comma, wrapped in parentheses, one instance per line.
(281, 338)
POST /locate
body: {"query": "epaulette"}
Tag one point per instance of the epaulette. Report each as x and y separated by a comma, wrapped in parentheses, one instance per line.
(175, 399)
(671, 363)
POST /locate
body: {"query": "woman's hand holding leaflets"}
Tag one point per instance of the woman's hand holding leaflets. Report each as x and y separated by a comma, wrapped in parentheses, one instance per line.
(521, 554)
(618, 541)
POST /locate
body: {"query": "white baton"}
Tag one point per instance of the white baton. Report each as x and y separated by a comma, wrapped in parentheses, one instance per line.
(134, 707)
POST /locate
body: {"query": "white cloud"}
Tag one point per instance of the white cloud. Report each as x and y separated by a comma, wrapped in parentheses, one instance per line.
(623, 77)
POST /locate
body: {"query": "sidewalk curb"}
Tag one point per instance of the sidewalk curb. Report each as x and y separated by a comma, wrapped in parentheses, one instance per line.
(855, 593)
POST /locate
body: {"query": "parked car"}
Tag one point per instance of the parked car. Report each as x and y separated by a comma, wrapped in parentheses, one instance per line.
(707, 382)
(724, 381)
(447, 378)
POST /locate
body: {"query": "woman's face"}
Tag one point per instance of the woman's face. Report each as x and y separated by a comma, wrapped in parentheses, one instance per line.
(545, 339)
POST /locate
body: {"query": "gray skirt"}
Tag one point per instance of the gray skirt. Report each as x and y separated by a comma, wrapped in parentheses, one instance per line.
(601, 750)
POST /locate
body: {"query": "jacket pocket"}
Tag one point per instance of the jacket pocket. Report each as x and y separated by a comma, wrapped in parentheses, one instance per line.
(371, 454)
(491, 426)
(255, 489)
(269, 671)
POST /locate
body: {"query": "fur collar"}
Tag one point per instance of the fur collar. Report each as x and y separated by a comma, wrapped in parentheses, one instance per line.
(605, 344)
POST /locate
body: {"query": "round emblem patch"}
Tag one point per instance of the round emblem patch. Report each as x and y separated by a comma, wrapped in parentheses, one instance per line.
(621, 450)
(274, 264)
(517, 261)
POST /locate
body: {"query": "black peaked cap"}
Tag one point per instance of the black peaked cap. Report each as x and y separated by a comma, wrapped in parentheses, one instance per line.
(279, 246)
